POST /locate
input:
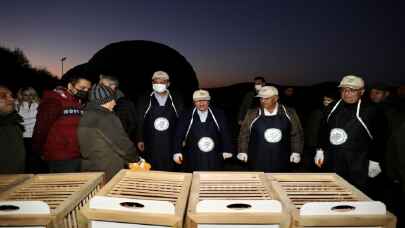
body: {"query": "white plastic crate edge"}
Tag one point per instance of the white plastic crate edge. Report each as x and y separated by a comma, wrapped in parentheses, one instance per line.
(267, 206)
(359, 208)
(101, 224)
(24, 207)
(149, 206)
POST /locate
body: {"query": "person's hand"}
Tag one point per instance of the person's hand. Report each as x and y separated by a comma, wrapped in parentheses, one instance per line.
(178, 158)
(141, 146)
(295, 158)
(242, 156)
(226, 155)
(373, 169)
(319, 157)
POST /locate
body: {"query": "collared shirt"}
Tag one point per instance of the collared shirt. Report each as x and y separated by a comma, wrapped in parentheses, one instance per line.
(161, 98)
(273, 113)
(203, 115)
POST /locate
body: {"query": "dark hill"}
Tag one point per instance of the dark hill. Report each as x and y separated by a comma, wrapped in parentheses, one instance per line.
(134, 62)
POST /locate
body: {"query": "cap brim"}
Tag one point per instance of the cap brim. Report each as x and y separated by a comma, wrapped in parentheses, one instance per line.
(349, 86)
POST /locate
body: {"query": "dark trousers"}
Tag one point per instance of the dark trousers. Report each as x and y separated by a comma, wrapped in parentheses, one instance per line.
(64, 166)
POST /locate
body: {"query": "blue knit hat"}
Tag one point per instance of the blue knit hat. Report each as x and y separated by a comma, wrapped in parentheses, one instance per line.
(100, 94)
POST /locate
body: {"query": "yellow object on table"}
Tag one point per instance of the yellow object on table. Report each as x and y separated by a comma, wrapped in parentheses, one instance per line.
(139, 166)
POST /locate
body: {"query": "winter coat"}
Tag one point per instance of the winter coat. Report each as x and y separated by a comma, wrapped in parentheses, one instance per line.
(126, 112)
(190, 130)
(351, 135)
(104, 145)
(250, 101)
(55, 132)
(12, 157)
(142, 104)
(296, 133)
(29, 114)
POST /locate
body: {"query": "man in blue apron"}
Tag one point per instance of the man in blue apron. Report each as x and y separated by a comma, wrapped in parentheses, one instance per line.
(157, 116)
(204, 133)
(271, 136)
(350, 142)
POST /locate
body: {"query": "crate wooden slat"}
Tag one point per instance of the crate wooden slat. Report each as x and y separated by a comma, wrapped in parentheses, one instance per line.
(237, 188)
(153, 186)
(64, 193)
(8, 181)
(298, 189)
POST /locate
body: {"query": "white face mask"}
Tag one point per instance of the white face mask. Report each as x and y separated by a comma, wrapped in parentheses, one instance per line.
(159, 88)
(258, 87)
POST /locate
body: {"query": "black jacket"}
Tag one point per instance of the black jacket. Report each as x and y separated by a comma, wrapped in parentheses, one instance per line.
(184, 122)
(12, 149)
(141, 106)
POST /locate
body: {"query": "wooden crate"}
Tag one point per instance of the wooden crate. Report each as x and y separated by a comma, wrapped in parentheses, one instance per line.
(8, 181)
(48, 200)
(233, 199)
(327, 200)
(140, 199)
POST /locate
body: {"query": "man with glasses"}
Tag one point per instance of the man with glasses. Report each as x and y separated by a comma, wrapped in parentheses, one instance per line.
(55, 132)
(350, 140)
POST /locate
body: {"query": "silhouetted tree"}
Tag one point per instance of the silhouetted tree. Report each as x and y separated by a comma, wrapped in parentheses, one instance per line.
(17, 72)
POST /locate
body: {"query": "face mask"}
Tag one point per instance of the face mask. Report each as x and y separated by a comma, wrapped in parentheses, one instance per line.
(81, 94)
(258, 87)
(159, 88)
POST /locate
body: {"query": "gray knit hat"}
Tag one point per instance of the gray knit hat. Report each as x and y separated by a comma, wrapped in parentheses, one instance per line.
(100, 94)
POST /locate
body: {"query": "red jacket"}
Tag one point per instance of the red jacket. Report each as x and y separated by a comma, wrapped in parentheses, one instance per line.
(55, 133)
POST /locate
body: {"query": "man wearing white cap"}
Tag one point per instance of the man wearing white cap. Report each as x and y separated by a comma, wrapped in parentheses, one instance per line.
(350, 138)
(271, 136)
(202, 139)
(157, 114)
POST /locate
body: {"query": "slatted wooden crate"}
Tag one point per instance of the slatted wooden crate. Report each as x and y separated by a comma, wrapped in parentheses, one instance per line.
(8, 181)
(140, 199)
(233, 199)
(48, 200)
(327, 200)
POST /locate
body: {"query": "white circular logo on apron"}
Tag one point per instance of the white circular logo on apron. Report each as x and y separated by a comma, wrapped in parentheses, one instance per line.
(337, 136)
(161, 124)
(273, 135)
(206, 144)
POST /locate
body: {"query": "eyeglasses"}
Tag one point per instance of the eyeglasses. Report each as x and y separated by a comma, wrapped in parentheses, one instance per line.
(349, 90)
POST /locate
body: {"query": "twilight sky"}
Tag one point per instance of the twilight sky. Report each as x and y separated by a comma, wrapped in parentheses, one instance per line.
(298, 42)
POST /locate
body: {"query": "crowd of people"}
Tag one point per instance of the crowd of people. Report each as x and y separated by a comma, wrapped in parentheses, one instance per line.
(83, 127)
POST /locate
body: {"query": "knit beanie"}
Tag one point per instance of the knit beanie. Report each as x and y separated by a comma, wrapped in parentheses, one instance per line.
(100, 94)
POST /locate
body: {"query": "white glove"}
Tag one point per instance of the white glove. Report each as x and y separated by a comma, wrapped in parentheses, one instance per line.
(178, 158)
(242, 156)
(319, 157)
(373, 169)
(295, 157)
(226, 155)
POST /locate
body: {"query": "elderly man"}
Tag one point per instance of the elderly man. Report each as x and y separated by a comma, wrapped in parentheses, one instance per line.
(204, 133)
(271, 136)
(157, 114)
(11, 135)
(350, 140)
(104, 145)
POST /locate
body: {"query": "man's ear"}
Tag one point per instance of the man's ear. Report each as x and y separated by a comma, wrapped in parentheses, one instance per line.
(362, 92)
(168, 84)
